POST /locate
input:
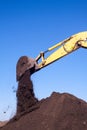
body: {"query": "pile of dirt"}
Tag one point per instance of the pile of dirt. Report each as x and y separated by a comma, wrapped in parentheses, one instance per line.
(57, 112)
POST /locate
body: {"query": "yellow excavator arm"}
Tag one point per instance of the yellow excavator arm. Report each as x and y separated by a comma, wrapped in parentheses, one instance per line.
(64, 48)
(61, 49)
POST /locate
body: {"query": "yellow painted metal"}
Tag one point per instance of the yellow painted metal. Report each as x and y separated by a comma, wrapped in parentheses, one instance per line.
(65, 47)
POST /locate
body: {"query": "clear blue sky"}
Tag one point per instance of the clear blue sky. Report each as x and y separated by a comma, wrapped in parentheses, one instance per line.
(28, 27)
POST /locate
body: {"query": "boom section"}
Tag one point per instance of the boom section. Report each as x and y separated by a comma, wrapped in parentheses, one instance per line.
(62, 49)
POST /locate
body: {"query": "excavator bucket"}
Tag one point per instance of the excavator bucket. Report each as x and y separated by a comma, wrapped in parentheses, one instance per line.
(25, 63)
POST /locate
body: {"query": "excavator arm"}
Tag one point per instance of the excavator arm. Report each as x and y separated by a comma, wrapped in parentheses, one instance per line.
(64, 48)
(61, 49)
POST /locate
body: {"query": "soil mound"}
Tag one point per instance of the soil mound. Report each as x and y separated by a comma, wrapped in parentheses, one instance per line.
(57, 112)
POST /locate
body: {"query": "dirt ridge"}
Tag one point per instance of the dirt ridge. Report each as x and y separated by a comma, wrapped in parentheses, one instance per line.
(60, 111)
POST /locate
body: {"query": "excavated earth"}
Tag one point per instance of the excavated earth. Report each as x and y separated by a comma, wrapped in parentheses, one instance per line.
(60, 111)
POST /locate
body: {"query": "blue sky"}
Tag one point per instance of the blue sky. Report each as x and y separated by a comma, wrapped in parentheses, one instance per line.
(28, 27)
